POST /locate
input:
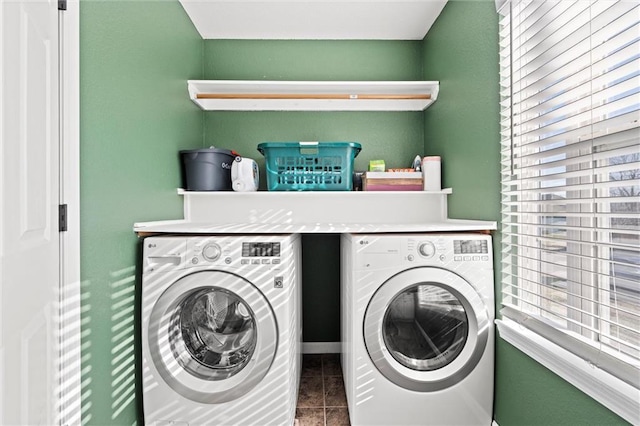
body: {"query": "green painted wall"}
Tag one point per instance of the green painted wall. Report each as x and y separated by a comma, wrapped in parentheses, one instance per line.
(395, 137)
(135, 58)
(461, 51)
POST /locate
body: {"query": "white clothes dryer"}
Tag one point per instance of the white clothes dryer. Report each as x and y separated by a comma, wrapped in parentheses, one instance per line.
(221, 330)
(417, 329)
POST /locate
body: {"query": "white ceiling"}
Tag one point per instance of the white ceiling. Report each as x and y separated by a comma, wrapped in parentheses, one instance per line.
(313, 19)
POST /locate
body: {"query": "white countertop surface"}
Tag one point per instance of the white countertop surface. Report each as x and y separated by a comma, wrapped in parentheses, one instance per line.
(308, 212)
(188, 227)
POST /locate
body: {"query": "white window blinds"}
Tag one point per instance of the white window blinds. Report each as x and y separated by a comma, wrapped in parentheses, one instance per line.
(570, 134)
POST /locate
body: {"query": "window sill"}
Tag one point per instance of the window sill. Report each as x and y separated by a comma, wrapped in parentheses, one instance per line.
(618, 396)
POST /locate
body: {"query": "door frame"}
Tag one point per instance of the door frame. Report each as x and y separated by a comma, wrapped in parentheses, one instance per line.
(70, 392)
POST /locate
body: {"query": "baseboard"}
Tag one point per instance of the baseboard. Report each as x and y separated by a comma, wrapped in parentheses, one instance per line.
(321, 347)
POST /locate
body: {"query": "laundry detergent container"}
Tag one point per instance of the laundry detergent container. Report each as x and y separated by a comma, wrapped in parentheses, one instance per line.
(207, 169)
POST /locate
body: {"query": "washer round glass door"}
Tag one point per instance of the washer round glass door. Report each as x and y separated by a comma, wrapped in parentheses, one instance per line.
(212, 336)
(425, 329)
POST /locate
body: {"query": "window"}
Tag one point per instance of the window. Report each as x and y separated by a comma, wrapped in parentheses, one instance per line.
(570, 135)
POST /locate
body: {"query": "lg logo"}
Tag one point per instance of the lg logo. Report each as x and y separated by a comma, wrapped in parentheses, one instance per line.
(364, 242)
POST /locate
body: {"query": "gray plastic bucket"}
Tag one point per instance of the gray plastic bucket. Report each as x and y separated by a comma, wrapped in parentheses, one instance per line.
(207, 169)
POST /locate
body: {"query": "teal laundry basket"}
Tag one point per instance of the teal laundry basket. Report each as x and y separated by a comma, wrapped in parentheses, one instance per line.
(309, 166)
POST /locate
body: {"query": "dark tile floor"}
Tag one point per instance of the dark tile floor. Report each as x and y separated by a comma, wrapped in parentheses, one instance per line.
(321, 399)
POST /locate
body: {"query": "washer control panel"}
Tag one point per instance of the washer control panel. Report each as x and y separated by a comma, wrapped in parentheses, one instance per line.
(228, 251)
(260, 253)
(224, 251)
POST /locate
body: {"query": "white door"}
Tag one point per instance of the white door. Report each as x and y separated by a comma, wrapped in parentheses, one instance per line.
(29, 193)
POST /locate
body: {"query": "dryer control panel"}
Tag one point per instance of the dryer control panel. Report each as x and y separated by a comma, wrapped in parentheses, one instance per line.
(423, 250)
(448, 248)
(470, 250)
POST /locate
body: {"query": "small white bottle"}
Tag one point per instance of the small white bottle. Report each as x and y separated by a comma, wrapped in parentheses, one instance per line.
(431, 173)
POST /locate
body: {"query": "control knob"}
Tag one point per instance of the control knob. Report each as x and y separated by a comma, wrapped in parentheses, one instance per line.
(211, 252)
(427, 249)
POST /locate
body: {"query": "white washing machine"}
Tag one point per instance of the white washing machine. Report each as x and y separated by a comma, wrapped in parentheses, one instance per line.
(417, 329)
(221, 330)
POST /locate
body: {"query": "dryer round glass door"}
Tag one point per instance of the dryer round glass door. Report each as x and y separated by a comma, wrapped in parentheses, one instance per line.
(425, 329)
(212, 336)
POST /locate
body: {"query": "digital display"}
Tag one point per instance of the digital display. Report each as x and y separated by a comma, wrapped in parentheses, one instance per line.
(260, 249)
(470, 247)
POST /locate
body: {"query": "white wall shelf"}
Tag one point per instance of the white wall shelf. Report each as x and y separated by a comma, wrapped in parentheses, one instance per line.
(258, 95)
(314, 212)
(313, 19)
